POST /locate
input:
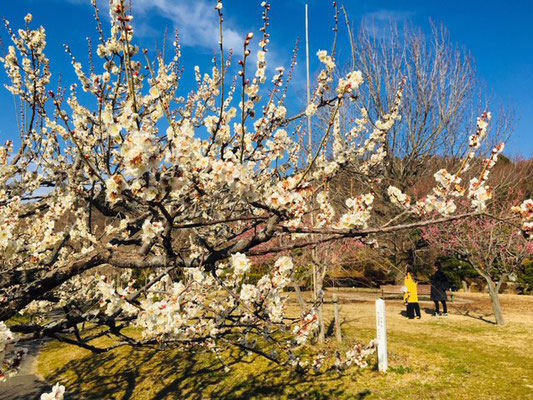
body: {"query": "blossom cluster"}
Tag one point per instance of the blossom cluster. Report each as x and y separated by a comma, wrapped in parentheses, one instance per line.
(308, 325)
(137, 174)
(327, 213)
(57, 393)
(357, 355)
(186, 310)
(359, 213)
(525, 211)
(325, 77)
(441, 198)
(398, 197)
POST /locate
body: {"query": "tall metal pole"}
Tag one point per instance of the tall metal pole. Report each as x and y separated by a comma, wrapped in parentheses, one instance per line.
(317, 269)
(309, 141)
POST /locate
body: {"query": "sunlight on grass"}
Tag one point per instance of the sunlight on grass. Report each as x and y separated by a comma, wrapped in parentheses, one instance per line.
(454, 358)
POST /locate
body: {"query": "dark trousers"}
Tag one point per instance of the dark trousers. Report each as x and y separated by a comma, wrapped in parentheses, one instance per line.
(413, 308)
(444, 306)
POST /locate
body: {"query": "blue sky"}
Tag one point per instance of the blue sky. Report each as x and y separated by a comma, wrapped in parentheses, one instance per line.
(498, 34)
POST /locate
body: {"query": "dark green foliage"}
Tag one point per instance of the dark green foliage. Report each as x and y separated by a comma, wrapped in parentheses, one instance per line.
(256, 272)
(458, 271)
(525, 276)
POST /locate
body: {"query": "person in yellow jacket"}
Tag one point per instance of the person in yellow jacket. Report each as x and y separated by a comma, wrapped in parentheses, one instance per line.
(410, 297)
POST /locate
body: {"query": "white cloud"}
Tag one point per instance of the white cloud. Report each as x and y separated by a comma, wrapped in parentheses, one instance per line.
(197, 25)
(196, 21)
(378, 23)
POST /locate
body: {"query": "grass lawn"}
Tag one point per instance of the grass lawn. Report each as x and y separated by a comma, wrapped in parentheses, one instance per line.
(463, 356)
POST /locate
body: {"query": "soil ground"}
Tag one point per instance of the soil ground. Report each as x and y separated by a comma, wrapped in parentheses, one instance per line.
(26, 384)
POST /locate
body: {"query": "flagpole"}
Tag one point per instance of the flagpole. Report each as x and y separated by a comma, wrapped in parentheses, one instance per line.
(309, 141)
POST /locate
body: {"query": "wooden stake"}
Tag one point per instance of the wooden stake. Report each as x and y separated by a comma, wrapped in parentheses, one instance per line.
(314, 283)
(301, 300)
(320, 298)
(338, 333)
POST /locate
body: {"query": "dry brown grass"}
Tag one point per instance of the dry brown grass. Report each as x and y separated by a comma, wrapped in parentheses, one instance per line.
(458, 357)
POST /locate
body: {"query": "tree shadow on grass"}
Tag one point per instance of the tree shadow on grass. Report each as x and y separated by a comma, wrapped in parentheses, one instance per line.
(465, 313)
(470, 311)
(172, 374)
(479, 317)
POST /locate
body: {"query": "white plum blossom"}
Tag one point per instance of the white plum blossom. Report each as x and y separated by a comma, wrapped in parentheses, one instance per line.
(115, 185)
(240, 264)
(352, 82)
(525, 211)
(57, 393)
(309, 325)
(398, 197)
(151, 229)
(196, 274)
(359, 213)
(143, 176)
(358, 354)
(444, 178)
(311, 109)
(140, 153)
(326, 59)
(249, 293)
(326, 210)
(5, 237)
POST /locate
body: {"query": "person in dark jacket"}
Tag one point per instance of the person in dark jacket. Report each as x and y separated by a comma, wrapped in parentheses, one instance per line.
(439, 284)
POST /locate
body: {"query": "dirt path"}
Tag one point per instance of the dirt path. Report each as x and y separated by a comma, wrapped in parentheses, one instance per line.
(25, 385)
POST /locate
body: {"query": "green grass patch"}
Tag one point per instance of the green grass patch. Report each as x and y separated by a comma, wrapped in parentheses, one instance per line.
(454, 358)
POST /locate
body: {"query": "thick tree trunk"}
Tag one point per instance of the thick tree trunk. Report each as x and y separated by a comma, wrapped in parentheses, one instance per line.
(15, 299)
(496, 307)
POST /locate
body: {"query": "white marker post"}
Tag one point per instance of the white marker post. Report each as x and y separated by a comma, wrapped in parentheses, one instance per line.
(381, 327)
